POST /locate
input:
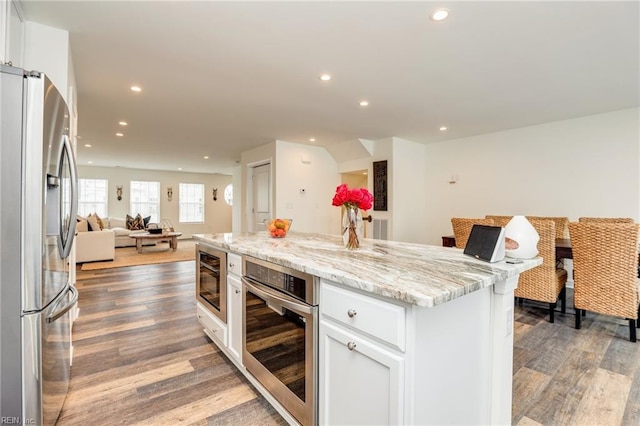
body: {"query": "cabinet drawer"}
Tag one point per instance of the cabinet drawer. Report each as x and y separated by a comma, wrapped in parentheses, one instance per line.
(382, 320)
(213, 327)
(234, 264)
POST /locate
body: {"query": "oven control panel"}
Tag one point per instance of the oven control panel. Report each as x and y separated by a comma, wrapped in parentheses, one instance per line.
(279, 278)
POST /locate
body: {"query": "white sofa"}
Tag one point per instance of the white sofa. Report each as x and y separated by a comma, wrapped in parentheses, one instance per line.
(93, 246)
(122, 239)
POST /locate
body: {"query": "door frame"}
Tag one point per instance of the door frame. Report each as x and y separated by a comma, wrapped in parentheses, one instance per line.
(249, 212)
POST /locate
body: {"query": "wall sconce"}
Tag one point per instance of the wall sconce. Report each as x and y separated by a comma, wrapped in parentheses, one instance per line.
(215, 194)
(169, 193)
(119, 192)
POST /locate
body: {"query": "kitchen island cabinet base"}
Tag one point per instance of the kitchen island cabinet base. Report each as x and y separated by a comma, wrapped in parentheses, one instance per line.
(456, 369)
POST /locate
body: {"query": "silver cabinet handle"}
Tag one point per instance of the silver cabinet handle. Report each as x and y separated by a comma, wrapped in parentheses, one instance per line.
(237, 291)
(352, 313)
(231, 265)
(351, 345)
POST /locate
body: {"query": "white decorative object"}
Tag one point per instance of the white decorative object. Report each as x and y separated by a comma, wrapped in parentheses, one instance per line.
(521, 239)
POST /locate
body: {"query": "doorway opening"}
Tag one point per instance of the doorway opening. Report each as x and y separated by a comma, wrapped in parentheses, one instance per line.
(358, 179)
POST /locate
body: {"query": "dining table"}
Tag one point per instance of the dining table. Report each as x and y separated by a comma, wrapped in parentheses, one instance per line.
(563, 247)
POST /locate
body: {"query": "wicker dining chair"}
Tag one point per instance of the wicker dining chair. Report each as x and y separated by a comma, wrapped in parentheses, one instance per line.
(562, 224)
(546, 282)
(605, 258)
(462, 228)
(499, 220)
(606, 219)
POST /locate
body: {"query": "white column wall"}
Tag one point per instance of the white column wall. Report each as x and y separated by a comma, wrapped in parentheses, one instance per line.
(588, 166)
(409, 200)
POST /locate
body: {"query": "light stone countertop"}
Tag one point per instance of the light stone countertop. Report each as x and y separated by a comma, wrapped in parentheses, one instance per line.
(417, 274)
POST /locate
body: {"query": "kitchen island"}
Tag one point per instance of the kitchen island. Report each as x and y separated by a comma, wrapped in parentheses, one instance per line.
(431, 340)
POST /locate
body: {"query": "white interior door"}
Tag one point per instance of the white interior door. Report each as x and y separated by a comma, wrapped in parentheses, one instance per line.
(261, 196)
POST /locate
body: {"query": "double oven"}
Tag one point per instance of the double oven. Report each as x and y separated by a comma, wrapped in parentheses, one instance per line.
(280, 334)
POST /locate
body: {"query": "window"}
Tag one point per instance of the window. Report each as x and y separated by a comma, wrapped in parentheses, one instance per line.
(145, 199)
(191, 202)
(228, 194)
(92, 197)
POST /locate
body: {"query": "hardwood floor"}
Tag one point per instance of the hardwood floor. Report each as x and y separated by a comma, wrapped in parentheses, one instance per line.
(140, 357)
(564, 376)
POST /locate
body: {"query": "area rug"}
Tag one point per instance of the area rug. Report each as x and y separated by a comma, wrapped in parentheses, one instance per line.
(160, 253)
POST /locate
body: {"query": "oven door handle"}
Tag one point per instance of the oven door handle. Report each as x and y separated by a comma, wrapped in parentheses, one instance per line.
(280, 298)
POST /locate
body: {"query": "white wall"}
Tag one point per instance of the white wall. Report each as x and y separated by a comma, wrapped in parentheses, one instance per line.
(217, 213)
(408, 200)
(588, 166)
(46, 49)
(310, 168)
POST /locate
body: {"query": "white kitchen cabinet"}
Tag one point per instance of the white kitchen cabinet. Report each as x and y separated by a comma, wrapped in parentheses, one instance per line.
(361, 383)
(234, 316)
(213, 327)
(362, 361)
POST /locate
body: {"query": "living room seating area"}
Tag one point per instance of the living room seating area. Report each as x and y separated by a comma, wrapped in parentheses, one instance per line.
(97, 238)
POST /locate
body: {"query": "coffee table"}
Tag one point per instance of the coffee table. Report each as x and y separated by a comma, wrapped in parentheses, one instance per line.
(171, 237)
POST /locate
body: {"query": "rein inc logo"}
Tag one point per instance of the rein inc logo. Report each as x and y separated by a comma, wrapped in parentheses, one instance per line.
(16, 421)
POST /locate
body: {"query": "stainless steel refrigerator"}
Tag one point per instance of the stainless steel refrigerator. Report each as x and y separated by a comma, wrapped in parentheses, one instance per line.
(38, 205)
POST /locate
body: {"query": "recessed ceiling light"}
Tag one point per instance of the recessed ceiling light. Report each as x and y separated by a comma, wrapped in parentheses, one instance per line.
(88, 145)
(206, 157)
(123, 123)
(179, 168)
(136, 89)
(120, 134)
(325, 77)
(439, 15)
(364, 173)
(312, 139)
(364, 103)
(443, 128)
(90, 162)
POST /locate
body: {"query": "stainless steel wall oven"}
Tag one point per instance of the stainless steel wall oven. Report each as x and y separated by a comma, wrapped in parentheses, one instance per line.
(280, 334)
(211, 280)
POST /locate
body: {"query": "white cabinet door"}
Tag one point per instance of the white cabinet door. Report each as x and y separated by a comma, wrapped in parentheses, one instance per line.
(234, 319)
(360, 383)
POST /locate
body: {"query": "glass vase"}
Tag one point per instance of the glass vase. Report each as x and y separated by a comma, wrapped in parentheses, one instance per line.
(351, 227)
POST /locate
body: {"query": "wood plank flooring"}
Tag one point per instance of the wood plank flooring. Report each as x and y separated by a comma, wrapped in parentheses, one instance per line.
(564, 376)
(140, 357)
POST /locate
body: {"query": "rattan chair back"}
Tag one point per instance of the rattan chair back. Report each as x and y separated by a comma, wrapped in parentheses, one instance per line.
(544, 282)
(606, 219)
(500, 220)
(562, 224)
(462, 228)
(605, 261)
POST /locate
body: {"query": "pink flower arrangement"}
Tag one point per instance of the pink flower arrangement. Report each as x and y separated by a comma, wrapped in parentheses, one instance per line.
(357, 197)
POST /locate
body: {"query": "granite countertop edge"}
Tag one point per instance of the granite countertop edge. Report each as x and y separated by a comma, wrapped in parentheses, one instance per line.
(416, 274)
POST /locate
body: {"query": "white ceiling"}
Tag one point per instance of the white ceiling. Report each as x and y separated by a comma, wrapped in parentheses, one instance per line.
(222, 77)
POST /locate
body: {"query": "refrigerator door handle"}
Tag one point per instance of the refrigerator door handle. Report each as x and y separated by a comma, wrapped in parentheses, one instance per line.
(71, 230)
(57, 314)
